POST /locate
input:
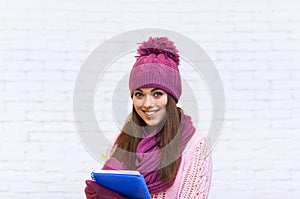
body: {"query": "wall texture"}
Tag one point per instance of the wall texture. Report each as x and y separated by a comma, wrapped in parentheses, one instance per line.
(254, 44)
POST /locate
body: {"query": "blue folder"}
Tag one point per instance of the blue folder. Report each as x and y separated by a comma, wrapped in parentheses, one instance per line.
(130, 184)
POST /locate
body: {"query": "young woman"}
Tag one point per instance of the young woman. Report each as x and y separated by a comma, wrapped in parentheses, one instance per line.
(159, 139)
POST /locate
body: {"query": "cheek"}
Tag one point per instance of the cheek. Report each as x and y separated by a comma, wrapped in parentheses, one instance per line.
(164, 105)
(136, 103)
(164, 102)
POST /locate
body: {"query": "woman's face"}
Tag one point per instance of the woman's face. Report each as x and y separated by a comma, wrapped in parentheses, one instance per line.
(150, 104)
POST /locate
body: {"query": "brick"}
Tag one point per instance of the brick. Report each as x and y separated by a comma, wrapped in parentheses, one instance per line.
(54, 195)
(2, 107)
(295, 113)
(54, 146)
(47, 136)
(16, 106)
(239, 75)
(271, 16)
(46, 95)
(273, 94)
(4, 187)
(290, 6)
(15, 54)
(69, 75)
(295, 35)
(271, 193)
(58, 126)
(286, 123)
(45, 116)
(295, 56)
(236, 56)
(27, 187)
(265, 36)
(239, 65)
(76, 55)
(286, 45)
(252, 85)
(44, 156)
(45, 55)
(294, 194)
(284, 26)
(71, 166)
(24, 65)
(252, 124)
(271, 55)
(272, 75)
(24, 86)
(12, 76)
(2, 87)
(14, 127)
(25, 146)
(8, 195)
(56, 106)
(44, 75)
(24, 166)
(44, 177)
(250, 26)
(64, 187)
(13, 116)
(58, 86)
(235, 36)
(250, 105)
(16, 136)
(272, 114)
(284, 104)
(296, 74)
(14, 96)
(239, 114)
(254, 45)
(12, 156)
(250, 7)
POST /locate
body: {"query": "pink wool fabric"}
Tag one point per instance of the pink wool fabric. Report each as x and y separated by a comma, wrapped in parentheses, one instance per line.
(194, 175)
(157, 66)
(148, 157)
(193, 178)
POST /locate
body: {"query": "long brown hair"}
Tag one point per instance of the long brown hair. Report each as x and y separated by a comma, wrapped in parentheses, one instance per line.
(130, 137)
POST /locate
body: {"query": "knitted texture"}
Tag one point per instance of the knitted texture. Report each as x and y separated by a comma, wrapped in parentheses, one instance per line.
(157, 66)
(194, 175)
(148, 156)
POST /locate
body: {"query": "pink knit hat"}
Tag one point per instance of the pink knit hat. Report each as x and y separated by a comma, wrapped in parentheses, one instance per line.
(157, 66)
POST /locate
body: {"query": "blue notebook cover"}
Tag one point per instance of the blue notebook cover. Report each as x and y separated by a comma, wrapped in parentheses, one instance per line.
(130, 184)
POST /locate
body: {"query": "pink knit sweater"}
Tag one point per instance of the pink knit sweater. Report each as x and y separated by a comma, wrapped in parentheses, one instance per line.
(194, 175)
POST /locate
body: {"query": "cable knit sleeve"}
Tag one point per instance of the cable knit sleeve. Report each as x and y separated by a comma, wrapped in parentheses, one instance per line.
(195, 182)
(194, 177)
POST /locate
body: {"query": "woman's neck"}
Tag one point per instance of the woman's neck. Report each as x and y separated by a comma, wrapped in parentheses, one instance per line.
(158, 127)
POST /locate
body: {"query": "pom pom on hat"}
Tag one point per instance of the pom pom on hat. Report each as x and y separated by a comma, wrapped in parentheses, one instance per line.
(157, 66)
(159, 45)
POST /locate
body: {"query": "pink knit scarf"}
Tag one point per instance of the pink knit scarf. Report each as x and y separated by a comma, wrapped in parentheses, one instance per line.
(148, 157)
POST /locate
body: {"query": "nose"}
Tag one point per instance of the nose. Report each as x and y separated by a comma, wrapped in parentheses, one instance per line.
(148, 103)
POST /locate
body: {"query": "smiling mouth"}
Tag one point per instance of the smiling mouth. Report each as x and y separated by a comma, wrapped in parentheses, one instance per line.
(150, 113)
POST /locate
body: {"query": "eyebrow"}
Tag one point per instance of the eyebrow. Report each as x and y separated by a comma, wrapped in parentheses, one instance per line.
(154, 89)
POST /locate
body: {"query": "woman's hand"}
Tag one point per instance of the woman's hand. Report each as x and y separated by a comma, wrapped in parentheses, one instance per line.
(96, 191)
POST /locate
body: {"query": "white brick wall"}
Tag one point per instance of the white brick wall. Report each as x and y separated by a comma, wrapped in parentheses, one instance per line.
(255, 45)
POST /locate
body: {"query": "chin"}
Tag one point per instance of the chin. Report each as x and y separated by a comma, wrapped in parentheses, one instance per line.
(154, 122)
